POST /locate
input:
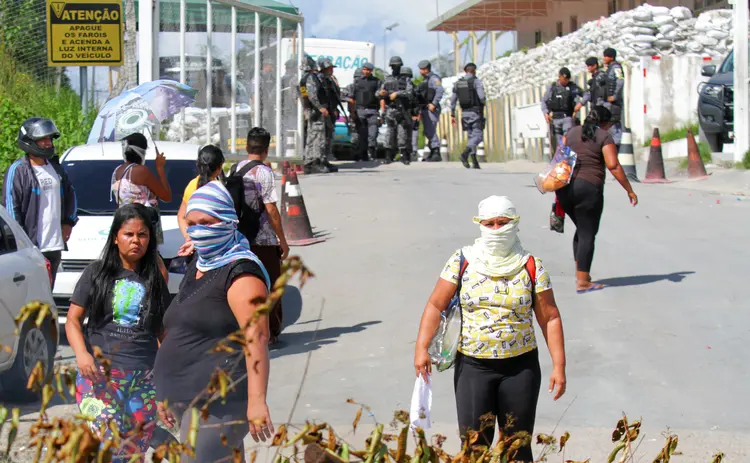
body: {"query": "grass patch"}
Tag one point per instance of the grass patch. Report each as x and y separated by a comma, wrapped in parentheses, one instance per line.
(674, 134)
(745, 163)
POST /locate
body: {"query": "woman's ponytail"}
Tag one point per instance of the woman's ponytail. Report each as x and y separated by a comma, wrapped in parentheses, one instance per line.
(598, 116)
(210, 158)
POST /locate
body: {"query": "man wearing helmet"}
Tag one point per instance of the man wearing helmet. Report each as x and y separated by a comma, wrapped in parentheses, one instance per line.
(366, 105)
(37, 192)
(429, 93)
(309, 68)
(396, 95)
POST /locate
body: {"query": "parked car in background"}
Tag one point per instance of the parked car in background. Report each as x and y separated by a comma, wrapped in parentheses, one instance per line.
(25, 276)
(716, 104)
(90, 168)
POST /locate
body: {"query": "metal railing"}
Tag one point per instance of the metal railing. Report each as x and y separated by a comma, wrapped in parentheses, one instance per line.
(252, 43)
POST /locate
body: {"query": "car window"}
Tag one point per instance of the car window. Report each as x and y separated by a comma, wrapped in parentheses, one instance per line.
(92, 181)
(728, 64)
(7, 239)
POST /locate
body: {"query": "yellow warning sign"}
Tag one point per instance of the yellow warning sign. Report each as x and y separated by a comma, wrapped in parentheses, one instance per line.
(84, 33)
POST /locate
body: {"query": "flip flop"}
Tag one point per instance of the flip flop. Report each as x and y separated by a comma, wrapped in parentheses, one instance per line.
(594, 287)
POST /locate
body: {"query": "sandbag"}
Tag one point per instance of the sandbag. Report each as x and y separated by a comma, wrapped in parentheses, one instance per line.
(657, 11)
(642, 15)
(714, 34)
(681, 12)
(693, 46)
(638, 30)
(662, 43)
(641, 45)
(706, 41)
(662, 20)
(667, 28)
(644, 38)
(648, 52)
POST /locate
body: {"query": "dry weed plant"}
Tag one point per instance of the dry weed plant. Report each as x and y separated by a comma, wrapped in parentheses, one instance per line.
(72, 440)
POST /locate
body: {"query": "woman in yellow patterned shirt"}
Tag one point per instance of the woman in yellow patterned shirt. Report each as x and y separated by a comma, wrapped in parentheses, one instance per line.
(497, 366)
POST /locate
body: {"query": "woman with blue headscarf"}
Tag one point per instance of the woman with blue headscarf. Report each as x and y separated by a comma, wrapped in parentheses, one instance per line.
(217, 296)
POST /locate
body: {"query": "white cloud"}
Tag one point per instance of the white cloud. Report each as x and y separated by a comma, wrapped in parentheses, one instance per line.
(365, 20)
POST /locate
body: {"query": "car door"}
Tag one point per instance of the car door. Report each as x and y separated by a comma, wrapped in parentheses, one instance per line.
(15, 273)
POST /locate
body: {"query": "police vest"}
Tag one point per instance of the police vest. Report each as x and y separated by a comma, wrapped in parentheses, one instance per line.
(391, 84)
(598, 87)
(561, 99)
(303, 88)
(364, 92)
(612, 78)
(467, 93)
(425, 93)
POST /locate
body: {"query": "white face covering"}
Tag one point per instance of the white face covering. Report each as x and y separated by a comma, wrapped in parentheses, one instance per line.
(140, 152)
(497, 252)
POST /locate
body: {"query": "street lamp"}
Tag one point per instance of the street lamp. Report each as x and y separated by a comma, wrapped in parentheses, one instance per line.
(385, 44)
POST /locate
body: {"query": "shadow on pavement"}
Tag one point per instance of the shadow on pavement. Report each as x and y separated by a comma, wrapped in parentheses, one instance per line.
(292, 304)
(302, 342)
(638, 280)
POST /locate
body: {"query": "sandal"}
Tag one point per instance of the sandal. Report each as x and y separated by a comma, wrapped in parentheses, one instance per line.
(593, 287)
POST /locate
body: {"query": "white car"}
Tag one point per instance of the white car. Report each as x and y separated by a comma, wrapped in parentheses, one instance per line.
(90, 168)
(24, 277)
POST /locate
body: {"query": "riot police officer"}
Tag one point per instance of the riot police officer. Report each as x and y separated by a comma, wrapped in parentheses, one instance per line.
(469, 92)
(308, 69)
(347, 94)
(396, 95)
(366, 103)
(596, 93)
(429, 94)
(322, 99)
(413, 111)
(615, 86)
(559, 104)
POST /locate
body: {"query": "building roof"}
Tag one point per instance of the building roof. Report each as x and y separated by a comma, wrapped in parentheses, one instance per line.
(487, 15)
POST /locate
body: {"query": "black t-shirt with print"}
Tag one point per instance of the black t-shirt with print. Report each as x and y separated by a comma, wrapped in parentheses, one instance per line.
(196, 321)
(122, 331)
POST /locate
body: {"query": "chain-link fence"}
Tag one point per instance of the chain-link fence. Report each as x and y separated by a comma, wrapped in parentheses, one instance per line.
(254, 53)
(23, 36)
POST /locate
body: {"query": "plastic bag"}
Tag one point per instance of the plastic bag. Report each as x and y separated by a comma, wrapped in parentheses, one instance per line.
(444, 344)
(558, 172)
(421, 403)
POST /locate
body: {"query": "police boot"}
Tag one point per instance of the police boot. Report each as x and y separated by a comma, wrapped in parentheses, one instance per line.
(370, 156)
(406, 158)
(319, 167)
(474, 162)
(465, 157)
(388, 156)
(329, 166)
(435, 155)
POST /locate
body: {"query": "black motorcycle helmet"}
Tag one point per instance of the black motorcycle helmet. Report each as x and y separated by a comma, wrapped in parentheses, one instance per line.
(33, 130)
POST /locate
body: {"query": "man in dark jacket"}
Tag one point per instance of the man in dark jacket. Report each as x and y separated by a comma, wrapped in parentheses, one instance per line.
(37, 192)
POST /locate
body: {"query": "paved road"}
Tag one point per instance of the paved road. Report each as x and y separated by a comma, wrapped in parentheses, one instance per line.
(667, 340)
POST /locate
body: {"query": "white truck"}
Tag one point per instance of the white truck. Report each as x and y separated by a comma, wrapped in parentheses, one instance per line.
(347, 56)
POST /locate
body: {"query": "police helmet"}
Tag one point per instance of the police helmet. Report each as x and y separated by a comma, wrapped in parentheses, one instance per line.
(33, 130)
(369, 66)
(396, 61)
(325, 63)
(406, 71)
(358, 73)
(425, 64)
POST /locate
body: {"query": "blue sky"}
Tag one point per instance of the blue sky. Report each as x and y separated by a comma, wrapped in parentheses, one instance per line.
(364, 20)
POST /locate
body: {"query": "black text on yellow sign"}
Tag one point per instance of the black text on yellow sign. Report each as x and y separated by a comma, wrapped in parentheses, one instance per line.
(84, 33)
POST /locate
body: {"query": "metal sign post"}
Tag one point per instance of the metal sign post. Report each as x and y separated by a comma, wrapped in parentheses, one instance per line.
(741, 118)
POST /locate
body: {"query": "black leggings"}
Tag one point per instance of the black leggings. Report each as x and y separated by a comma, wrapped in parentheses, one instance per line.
(501, 387)
(583, 202)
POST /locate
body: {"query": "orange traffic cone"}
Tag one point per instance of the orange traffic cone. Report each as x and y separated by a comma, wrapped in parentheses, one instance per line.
(655, 168)
(696, 169)
(294, 219)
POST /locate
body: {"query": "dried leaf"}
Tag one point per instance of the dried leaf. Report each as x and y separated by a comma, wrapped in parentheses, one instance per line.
(193, 430)
(357, 417)
(331, 439)
(15, 419)
(253, 456)
(280, 438)
(402, 442)
(618, 448)
(619, 430)
(564, 440)
(545, 439)
(717, 458)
